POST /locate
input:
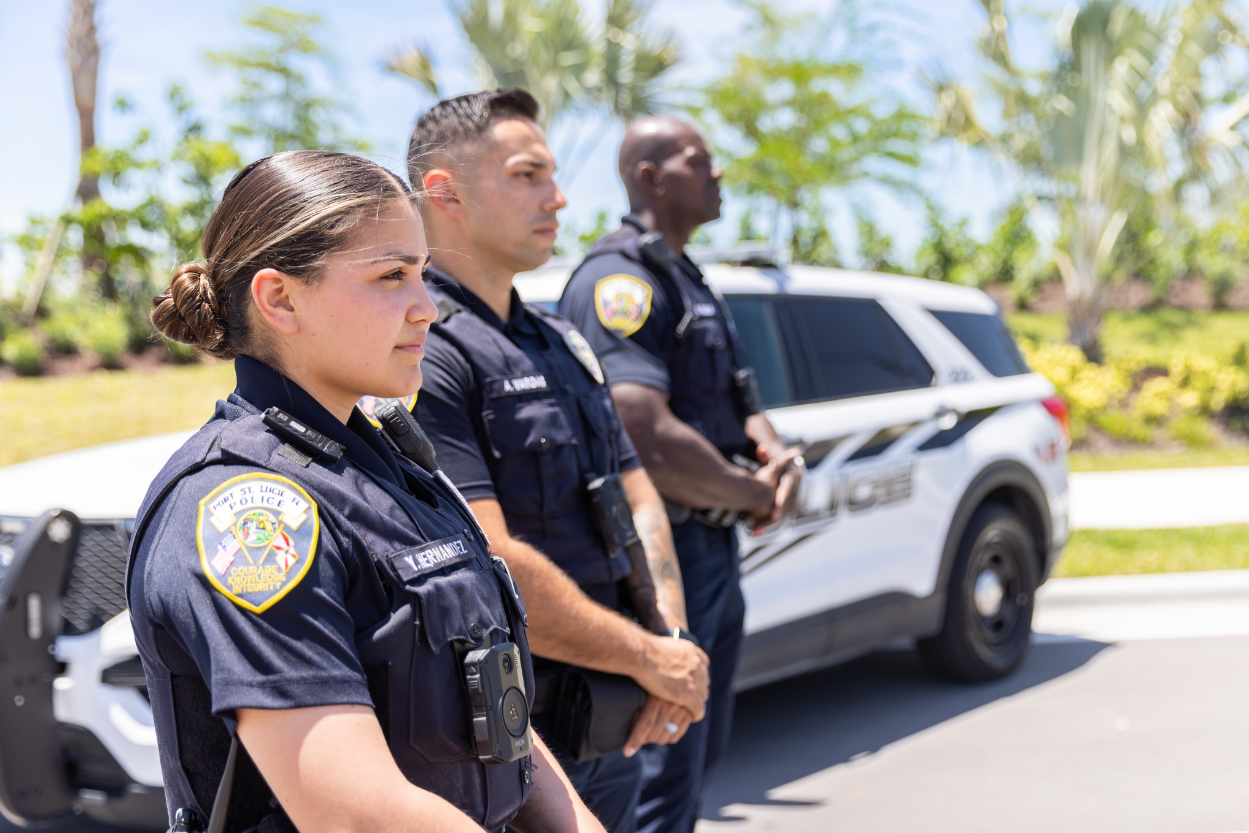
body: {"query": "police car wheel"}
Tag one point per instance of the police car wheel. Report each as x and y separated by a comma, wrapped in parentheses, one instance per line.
(988, 616)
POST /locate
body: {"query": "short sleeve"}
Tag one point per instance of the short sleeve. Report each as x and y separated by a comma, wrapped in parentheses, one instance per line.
(256, 597)
(444, 408)
(626, 317)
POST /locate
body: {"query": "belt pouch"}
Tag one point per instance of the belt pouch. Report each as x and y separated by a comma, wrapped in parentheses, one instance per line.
(593, 711)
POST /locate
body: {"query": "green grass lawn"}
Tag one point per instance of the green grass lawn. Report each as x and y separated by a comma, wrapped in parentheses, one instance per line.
(1154, 459)
(1158, 333)
(59, 413)
(1104, 552)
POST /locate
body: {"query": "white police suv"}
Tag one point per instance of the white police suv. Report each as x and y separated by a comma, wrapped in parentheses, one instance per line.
(936, 503)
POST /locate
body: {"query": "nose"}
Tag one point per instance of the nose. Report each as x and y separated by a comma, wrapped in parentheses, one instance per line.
(716, 173)
(557, 202)
(422, 309)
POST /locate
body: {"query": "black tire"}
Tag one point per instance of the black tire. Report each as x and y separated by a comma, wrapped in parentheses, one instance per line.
(971, 645)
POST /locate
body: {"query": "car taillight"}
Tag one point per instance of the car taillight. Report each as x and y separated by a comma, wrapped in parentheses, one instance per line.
(1058, 410)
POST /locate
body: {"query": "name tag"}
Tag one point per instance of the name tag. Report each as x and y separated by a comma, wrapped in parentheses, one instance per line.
(705, 310)
(417, 561)
(513, 385)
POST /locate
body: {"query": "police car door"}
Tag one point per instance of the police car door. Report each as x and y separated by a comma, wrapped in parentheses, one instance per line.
(840, 376)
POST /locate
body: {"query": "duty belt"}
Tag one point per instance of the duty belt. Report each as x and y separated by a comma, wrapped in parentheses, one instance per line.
(722, 518)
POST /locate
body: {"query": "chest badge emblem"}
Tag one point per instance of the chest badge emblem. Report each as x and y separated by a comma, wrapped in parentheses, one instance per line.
(623, 303)
(257, 535)
(581, 349)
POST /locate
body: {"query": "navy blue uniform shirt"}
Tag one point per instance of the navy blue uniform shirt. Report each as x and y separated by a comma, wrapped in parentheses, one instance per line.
(449, 405)
(630, 316)
(534, 447)
(300, 652)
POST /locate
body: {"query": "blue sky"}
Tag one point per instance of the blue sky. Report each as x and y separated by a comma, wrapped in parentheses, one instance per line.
(149, 43)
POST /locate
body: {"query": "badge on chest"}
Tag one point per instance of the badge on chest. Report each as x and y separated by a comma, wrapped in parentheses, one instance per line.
(581, 349)
(257, 536)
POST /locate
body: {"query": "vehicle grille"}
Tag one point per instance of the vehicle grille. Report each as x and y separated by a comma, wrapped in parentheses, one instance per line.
(97, 583)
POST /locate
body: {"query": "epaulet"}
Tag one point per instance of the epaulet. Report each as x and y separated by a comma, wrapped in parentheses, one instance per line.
(447, 308)
(543, 313)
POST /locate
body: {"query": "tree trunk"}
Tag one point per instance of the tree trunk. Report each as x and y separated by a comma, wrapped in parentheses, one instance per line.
(82, 54)
(1084, 325)
(1085, 303)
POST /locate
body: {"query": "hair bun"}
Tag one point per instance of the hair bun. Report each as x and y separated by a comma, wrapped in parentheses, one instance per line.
(188, 311)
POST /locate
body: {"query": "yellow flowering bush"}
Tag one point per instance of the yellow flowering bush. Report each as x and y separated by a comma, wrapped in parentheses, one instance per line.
(1195, 388)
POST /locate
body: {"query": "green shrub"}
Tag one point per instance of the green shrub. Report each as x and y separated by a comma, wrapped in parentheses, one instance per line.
(63, 330)
(179, 352)
(24, 352)
(107, 335)
(141, 333)
(1193, 430)
(1123, 425)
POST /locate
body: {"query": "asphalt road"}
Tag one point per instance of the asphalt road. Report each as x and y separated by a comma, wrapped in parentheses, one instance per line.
(1128, 715)
(1131, 713)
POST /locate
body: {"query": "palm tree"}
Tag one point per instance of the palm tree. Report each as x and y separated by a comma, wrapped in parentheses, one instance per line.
(1125, 111)
(548, 48)
(82, 53)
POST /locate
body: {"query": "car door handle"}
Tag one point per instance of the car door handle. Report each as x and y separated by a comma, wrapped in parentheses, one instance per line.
(946, 418)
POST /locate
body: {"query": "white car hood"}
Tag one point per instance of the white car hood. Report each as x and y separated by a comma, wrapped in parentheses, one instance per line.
(104, 482)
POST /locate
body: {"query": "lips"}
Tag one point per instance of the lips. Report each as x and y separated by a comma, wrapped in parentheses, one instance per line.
(416, 348)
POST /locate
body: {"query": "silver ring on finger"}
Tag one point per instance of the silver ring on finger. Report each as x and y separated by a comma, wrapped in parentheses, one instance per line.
(671, 727)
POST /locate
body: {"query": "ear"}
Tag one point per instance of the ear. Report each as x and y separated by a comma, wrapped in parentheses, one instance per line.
(273, 295)
(442, 190)
(648, 177)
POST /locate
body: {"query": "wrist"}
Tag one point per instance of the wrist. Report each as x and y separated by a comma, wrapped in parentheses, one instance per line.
(678, 632)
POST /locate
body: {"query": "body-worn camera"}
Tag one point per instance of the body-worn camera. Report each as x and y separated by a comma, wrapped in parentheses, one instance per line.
(611, 511)
(496, 697)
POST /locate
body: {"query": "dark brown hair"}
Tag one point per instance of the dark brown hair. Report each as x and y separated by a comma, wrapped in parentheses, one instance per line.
(289, 212)
(455, 122)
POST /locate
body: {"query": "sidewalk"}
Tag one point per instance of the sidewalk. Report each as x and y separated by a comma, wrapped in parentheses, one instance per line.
(1153, 606)
(1159, 498)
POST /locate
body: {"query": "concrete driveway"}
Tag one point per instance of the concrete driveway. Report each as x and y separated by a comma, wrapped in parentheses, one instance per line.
(1125, 717)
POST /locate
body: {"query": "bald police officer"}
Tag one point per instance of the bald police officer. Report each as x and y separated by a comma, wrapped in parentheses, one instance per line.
(689, 402)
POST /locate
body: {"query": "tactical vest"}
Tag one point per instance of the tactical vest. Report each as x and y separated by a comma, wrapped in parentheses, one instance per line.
(702, 361)
(546, 438)
(414, 674)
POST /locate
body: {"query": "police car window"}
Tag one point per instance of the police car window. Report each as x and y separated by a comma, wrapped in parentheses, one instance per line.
(849, 347)
(986, 338)
(757, 330)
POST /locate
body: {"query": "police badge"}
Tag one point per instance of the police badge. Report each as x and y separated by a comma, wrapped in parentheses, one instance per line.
(262, 532)
(581, 349)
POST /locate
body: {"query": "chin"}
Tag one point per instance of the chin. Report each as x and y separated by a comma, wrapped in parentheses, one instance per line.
(534, 259)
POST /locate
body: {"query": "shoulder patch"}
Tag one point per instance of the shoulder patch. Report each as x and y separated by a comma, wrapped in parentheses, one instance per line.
(623, 303)
(368, 406)
(257, 535)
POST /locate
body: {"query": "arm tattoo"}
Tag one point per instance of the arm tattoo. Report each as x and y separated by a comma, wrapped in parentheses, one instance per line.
(664, 574)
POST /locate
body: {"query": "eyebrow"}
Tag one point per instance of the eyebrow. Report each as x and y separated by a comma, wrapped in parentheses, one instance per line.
(538, 164)
(404, 257)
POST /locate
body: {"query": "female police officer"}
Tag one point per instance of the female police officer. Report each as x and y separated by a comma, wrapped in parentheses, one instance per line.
(294, 582)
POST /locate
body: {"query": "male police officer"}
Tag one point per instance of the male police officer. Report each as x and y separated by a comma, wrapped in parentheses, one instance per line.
(515, 403)
(688, 400)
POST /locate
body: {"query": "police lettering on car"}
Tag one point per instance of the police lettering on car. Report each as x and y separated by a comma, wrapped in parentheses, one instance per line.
(302, 586)
(691, 406)
(516, 404)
